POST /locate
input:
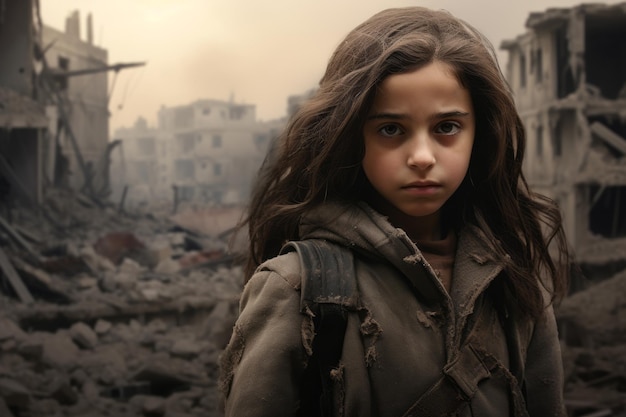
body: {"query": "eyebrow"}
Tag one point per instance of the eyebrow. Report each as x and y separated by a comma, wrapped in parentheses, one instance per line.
(400, 116)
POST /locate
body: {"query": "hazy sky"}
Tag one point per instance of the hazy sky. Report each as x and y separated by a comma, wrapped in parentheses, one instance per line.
(258, 52)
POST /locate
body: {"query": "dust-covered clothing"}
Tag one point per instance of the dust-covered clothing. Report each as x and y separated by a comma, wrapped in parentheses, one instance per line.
(406, 330)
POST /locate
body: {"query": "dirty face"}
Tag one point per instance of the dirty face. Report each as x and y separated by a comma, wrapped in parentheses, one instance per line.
(418, 142)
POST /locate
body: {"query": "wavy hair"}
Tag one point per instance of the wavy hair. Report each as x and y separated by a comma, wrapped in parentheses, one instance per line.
(318, 156)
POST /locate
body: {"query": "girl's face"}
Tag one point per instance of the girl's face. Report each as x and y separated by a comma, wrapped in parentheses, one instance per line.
(418, 142)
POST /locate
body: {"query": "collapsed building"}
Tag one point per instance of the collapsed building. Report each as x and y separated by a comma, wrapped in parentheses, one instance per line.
(54, 160)
(54, 117)
(568, 75)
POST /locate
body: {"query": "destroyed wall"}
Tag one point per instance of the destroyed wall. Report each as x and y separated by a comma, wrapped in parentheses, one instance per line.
(16, 46)
(22, 119)
(568, 73)
(85, 97)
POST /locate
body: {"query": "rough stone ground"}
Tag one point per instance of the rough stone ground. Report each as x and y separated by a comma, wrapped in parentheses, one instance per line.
(130, 313)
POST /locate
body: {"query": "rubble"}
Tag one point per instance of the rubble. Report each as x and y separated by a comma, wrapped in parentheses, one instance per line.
(592, 325)
(127, 315)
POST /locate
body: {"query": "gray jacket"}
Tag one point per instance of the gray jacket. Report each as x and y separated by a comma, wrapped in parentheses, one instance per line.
(406, 331)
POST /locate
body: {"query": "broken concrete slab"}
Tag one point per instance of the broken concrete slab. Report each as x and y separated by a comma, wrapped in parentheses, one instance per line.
(83, 335)
(59, 350)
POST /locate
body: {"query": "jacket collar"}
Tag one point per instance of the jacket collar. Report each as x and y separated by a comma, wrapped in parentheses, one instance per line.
(367, 232)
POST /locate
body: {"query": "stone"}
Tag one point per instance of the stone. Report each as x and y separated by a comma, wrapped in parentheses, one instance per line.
(31, 348)
(60, 351)
(14, 394)
(185, 348)
(83, 335)
(10, 330)
(62, 391)
(102, 327)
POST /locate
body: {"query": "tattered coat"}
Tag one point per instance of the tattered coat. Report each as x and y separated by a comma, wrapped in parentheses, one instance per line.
(407, 329)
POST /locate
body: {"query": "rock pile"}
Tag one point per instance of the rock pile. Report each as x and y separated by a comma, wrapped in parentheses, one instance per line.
(108, 314)
(592, 326)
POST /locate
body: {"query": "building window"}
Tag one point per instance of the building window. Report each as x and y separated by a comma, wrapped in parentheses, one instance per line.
(522, 70)
(217, 141)
(186, 192)
(217, 170)
(557, 145)
(187, 142)
(237, 112)
(606, 214)
(538, 66)
(539, 133)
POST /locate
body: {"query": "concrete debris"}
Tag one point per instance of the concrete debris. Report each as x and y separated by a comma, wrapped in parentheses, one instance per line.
(127, 317)
(593, 330)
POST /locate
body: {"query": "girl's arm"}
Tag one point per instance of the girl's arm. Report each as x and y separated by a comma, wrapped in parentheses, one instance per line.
(264, 360)
(544, 370)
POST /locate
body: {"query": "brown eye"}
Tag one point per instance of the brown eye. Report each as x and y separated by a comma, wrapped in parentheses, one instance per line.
(448, 128)
(390, 130)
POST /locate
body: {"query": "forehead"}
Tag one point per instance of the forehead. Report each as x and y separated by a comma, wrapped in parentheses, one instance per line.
(436, 81)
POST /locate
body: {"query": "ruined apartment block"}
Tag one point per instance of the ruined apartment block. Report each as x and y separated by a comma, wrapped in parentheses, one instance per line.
(207, 151)
(568, 74)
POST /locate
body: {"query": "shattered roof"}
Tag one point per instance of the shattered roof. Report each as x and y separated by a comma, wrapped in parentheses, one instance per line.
(551, 15)
(20, 111)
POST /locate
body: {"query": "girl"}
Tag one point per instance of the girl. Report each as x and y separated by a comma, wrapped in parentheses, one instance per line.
(409, 155)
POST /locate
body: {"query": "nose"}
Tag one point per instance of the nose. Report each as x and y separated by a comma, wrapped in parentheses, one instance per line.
(421, 153)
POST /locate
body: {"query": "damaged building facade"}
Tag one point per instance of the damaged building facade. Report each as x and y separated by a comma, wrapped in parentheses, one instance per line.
(53, 106)
(207, 151)
(23, 120)
(568, 75)
(84, 98)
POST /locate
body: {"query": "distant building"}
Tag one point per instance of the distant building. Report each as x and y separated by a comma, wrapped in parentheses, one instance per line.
(295, 101)
(568, 73)
(208, 152)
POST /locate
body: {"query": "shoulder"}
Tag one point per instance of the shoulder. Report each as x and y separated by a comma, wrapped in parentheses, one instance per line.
(284, 267)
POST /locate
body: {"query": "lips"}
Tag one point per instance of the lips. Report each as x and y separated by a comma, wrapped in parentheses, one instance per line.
(422, 188)
(422, 184)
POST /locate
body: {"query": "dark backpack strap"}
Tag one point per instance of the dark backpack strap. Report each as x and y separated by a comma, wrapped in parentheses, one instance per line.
(328, 289)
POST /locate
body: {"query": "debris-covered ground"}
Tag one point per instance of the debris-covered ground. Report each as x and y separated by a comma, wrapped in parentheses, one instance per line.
(109, 314)
(105, 313)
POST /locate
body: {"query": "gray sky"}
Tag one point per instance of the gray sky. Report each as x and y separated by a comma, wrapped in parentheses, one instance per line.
(258, 52)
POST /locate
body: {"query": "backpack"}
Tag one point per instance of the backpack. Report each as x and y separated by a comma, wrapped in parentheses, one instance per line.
(329, 290)
(329, 295)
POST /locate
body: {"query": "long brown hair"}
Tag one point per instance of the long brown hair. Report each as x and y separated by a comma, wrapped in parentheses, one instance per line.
(319, 154)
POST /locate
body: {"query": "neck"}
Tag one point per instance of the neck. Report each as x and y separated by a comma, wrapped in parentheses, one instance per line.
(416, 227)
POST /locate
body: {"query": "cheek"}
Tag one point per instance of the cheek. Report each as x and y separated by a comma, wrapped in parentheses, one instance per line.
(378, 163)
